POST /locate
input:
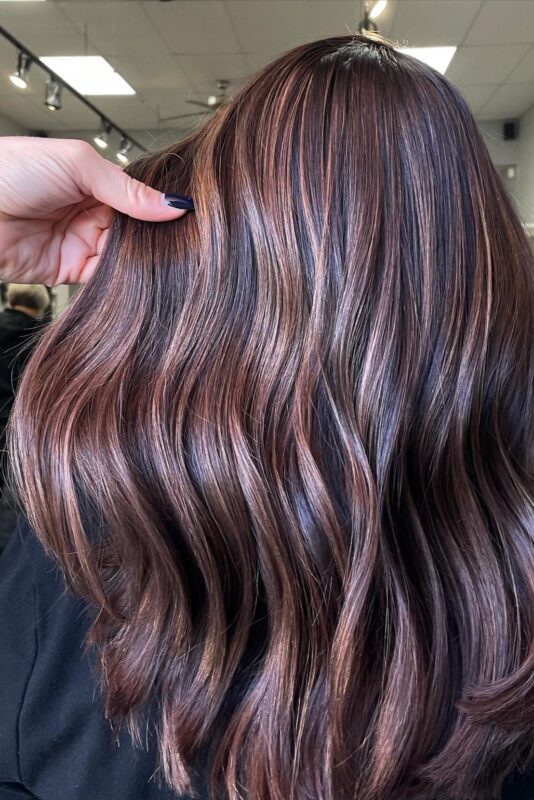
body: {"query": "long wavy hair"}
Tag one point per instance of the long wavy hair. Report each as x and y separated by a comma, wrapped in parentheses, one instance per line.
(284, 445)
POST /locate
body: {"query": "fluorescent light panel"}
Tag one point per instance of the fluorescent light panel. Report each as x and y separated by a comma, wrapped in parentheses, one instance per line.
(437, 57)
(89, 75)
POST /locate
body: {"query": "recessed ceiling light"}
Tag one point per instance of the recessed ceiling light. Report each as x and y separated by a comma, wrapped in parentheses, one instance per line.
(88, 74)
(437, 57)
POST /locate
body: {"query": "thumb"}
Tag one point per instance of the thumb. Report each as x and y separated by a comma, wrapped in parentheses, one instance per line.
(110, 185)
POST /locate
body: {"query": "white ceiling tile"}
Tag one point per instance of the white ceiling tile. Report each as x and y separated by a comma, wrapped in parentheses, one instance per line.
(42, 28)
(477, 96)
(147, 74)
(257, 61)
(205, 70)
(193, 26)
(490, 64)
(27, 113)
(172, 52)
(72, 114)
(128, 112)
(164, 137)
(503, 22)
(171, 104)
(114, 28)
(34, 94)
(524, 72)
(174, 120)
(509, 101)
(277, 25)
(427, 23)
(181, 127)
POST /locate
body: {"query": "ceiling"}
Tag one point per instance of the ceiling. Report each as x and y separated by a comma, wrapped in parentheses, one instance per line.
(172, 51)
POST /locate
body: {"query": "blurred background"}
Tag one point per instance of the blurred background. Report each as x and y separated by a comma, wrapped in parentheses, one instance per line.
(132, 75)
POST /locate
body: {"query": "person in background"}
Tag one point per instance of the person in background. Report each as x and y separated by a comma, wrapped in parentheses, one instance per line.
(20, 325)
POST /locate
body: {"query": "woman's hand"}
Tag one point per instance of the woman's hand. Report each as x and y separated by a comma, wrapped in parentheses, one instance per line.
(56, 201)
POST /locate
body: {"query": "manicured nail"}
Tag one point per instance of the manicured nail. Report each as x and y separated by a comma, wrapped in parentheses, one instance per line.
(178, 201)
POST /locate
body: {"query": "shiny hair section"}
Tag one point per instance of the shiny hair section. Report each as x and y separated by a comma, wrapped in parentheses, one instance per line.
(283, 445)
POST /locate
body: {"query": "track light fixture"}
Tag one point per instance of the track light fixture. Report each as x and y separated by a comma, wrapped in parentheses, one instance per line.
(56, 86)
(53, 95)
(378, 8)
(19, 78)
(102, 138)
(372, 9)
(122, 154)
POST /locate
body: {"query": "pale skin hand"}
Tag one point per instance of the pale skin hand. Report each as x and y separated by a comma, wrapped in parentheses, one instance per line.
(56, 202)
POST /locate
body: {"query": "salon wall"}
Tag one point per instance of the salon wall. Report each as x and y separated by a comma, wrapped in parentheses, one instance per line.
(501, 151)
(10, 128)
(524, 194)
(151, 139)
(518, 153)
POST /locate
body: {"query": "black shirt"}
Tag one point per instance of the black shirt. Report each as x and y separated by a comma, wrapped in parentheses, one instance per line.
(54, 741)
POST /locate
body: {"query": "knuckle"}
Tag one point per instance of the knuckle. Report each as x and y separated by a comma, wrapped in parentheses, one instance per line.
(136, 190)
(80, 148)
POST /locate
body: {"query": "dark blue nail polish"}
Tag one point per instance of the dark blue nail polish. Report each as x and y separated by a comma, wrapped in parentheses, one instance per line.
(178, 201)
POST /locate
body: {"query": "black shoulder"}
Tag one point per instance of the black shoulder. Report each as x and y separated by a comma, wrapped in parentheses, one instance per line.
(54, 739)
(25, 561)
(18, 640)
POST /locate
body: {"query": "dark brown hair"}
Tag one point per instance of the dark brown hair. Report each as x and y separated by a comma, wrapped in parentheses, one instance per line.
(284, 444)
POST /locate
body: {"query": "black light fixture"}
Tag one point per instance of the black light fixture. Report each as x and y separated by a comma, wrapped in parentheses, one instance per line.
(102, 138)
(371, 10)
(53, 95)
(379, 6)
(56, 86)
(19, 78)
(122, 153)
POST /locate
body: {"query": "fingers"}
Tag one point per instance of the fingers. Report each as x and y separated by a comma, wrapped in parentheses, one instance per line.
(92, 262)
(82, 243)
(110, 185)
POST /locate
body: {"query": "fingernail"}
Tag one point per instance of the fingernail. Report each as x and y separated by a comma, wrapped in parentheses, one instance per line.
(178, 201)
